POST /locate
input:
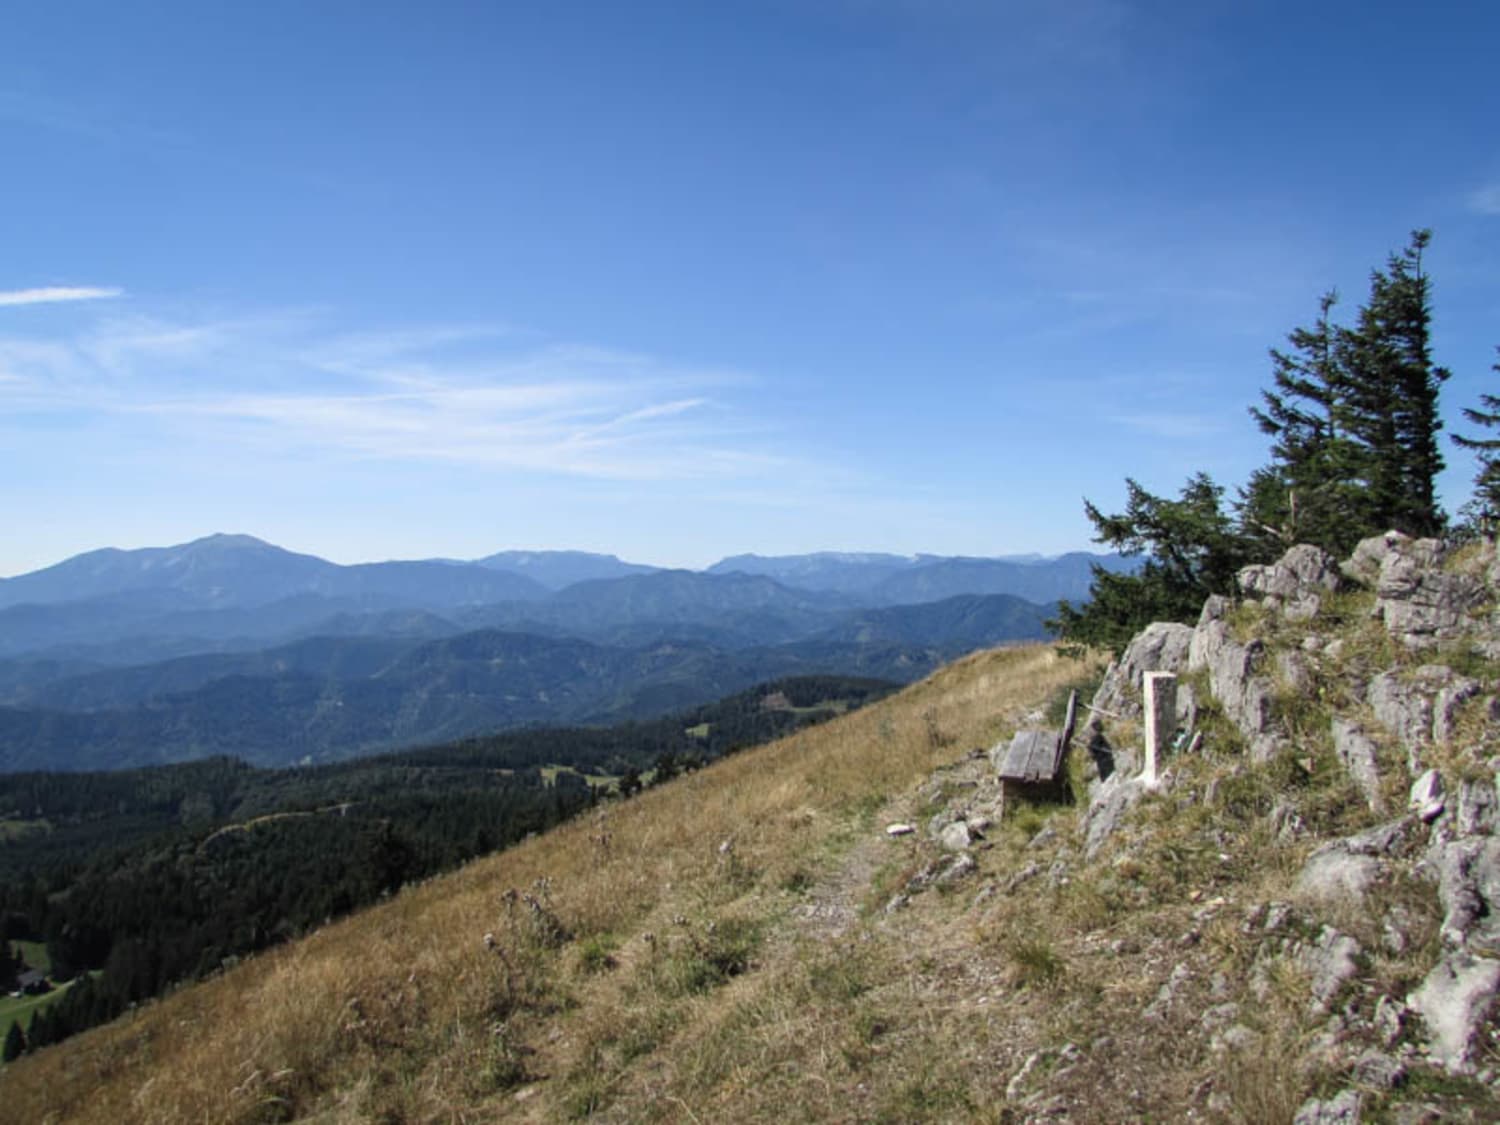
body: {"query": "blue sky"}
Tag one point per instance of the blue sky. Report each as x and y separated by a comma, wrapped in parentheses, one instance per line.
(676, 281)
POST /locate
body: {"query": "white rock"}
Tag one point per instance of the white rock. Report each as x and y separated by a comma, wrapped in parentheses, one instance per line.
(894, 830)
(1453, 1000)
(955, 838)
(1427, 796)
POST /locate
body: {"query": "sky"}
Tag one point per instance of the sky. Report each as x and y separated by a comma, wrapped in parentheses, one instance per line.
(681, 280)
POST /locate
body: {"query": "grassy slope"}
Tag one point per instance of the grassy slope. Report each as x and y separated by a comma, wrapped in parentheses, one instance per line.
(403, 1010)
(718, 949)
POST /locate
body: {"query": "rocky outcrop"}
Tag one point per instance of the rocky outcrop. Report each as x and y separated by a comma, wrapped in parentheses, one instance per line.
(1454, 1001)
(1359, 756)
(1238, 682)
(1159, 647)
(1450, 831)
(1420, 603)
(1295, 584)
(1421, 707)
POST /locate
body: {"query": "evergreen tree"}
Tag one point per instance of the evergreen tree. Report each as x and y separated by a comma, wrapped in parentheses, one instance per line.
(1388, 399)
(1485, 504)
(1305, 495)
(1193, 548)
(15, 1044)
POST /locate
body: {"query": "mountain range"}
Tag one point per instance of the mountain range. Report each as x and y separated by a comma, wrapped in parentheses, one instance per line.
(229, 644)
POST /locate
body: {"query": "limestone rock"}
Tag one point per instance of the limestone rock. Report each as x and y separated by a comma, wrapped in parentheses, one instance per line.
(1364, 565)
(1405, 711)
(1330, 962)
(1295, 584)
(955, 837)
(1426, 798)
(1236, 680)
(1420, 603)
(1159, 647)
(1468, 871)
(1333, 873)
(1476, 809)
(957, 868)
(1454, 1000)
(1341, 1110)
(1358, 755)
(1107, 809)
(1379, 1070)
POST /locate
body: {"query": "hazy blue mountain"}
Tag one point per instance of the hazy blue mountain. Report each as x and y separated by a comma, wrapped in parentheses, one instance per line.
(735, 609)
(839, 571)
(1050, 580)
(557, 569)
(240, 571)
(331, 697)
(958, 624)
(141, 626)
(881, 579)
(216, 570)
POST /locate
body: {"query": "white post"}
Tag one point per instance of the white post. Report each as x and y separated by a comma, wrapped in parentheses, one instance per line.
(1161, 721)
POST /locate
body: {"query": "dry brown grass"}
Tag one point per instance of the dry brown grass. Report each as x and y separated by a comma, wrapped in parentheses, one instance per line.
(655, 971)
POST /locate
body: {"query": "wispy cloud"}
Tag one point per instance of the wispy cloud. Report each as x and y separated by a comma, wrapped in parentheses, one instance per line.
(1485, 200)
(54, 293)
(1170, 425)
(486, 398)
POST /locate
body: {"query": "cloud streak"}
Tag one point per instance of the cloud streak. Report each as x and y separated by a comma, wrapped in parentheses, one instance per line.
(1485, 200)
(53, 294)
(435, 395)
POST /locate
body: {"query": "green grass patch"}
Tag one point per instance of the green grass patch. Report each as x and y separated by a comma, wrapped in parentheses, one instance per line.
(34, 953)
(14, 829)
(13, 1010)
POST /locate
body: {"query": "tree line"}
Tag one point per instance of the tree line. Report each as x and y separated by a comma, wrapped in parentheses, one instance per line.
(1354, 422)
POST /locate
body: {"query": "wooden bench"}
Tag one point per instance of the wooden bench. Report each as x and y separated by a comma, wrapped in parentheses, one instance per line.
(1034, 760)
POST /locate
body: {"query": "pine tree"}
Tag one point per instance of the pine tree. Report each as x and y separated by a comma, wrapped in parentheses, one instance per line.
(1485, 504)
(1388, 398)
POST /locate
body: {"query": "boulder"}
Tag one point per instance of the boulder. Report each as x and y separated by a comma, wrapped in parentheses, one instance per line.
(1108, 808)
(1295, 584)
(1419, 602)
(1454, 1000)
(955, 837)
(1236, 680)
(1427, 799)
(1341, 1110)
(1370, 555)
(1468, 873)
(1335, 873)
(1160, 647)
(1358, 755)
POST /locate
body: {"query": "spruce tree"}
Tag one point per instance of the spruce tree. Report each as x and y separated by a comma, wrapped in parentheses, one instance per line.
(1485, 504)
(15, 1044)
(1306, 494)
(1388, 399)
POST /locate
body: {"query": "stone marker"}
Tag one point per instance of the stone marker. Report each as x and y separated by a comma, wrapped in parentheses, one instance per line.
(1161, 721)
